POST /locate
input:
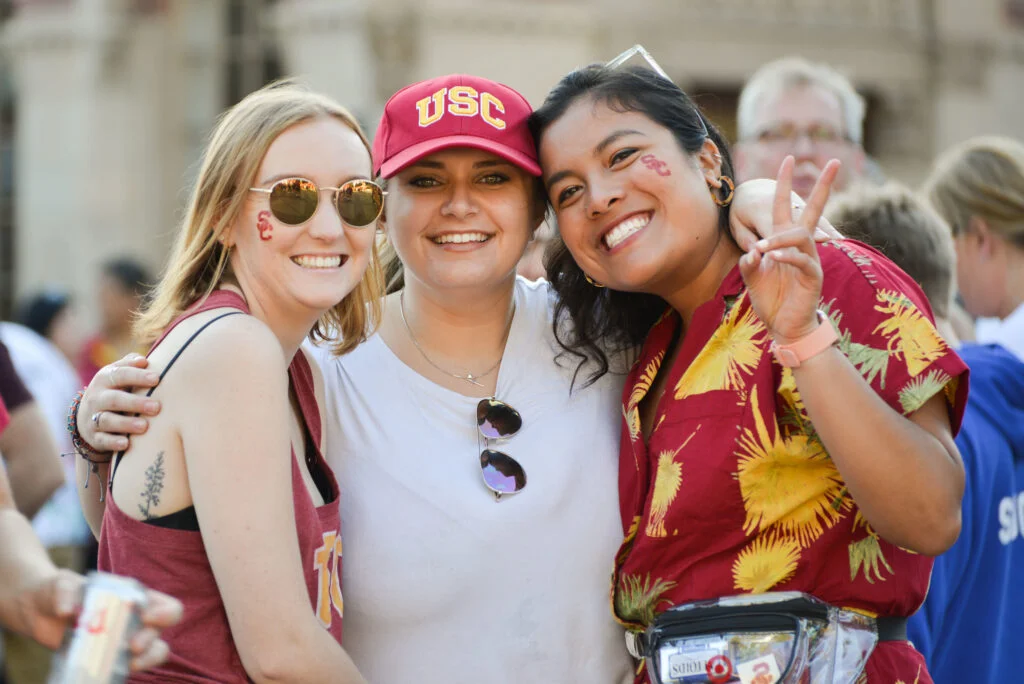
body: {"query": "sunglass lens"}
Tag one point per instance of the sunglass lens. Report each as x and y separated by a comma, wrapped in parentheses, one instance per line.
(497, 419)
(293, 201)
(360, 202)
(502, 473)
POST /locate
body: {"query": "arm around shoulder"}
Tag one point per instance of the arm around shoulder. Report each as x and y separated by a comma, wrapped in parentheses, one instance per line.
(235, 436)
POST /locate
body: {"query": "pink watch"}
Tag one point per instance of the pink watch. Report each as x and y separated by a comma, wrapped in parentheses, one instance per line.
(793, 354)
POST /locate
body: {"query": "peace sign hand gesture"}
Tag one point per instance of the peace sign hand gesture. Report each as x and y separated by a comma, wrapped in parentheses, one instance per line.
(783, 273)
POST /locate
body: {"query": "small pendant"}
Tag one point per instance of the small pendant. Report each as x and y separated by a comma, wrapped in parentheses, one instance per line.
(469, 378)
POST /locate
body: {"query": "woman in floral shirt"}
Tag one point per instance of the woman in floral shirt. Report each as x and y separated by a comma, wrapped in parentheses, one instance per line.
(827, 468)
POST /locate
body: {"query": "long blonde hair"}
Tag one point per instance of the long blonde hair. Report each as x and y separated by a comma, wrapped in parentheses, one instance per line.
(199, 261)
(982, 177)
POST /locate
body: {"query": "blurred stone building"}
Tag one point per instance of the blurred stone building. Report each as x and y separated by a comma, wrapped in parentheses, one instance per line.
(105, 104)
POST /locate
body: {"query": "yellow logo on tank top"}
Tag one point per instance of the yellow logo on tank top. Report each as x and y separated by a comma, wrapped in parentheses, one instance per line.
(328, 588)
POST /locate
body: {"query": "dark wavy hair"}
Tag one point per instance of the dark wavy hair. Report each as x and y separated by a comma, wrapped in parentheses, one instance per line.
(590, 322)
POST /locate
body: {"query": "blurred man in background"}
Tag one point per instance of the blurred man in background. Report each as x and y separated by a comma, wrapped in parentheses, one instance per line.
(970, 625)
(808, 110)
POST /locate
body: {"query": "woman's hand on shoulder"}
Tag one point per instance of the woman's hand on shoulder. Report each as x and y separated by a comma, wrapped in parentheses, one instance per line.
(752, 215)
(783, 273)
(106, 415)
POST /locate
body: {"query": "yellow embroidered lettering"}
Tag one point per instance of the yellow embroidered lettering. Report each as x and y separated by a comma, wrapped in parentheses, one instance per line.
(463, 101)
(487, 102)
(423, 107)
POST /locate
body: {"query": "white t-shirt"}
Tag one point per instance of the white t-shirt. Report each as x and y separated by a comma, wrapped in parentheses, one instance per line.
(53, 384)
(1009, 332)
(443, 584)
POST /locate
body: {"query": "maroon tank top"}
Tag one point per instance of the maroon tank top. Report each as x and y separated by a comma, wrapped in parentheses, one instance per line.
(174, 561)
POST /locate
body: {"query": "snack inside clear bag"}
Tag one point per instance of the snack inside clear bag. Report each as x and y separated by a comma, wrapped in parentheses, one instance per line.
(774, 638)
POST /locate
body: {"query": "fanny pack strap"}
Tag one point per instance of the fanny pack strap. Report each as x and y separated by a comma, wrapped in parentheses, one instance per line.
(891, 628)
(636, 644)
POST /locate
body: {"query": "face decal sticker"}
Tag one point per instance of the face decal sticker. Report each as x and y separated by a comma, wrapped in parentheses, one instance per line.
(655, 164)
(264, 226)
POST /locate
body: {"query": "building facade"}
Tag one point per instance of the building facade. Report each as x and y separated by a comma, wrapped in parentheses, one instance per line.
(105, 104)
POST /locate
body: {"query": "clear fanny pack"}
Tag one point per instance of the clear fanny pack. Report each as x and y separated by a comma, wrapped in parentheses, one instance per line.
(773, 638)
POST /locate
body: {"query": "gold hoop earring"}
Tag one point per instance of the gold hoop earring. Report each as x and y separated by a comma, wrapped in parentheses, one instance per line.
(592, 281)
(727, 200)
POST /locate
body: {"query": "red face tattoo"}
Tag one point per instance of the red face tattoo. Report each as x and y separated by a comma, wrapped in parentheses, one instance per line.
(263, 225)
(655, 164)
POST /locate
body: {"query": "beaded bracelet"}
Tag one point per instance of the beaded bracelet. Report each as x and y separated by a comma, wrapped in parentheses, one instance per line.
(82, 448)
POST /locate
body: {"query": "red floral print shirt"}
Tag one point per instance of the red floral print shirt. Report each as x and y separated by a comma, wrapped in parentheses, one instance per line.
(734, 492)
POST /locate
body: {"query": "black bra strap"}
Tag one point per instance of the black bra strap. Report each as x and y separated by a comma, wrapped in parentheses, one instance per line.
(189, 341)
(204, 326)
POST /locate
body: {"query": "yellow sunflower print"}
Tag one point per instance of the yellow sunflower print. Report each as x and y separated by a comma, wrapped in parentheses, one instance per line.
(910, 333)
(767, 560)
(787, 482)
(918, 391)
(866, 554)
(631, 410)
(667, 481)
(734, 350)
(916, 679)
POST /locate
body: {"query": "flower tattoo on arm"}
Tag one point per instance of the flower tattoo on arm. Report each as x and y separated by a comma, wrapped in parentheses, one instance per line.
(154, 485)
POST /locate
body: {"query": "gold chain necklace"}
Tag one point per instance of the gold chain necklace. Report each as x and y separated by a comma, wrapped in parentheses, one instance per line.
(468, 377)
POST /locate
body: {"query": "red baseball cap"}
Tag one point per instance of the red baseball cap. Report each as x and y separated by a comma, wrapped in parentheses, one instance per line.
(453, 111)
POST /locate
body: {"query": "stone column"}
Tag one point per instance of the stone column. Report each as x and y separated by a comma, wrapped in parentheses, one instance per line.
(57, 52)
(326, 43)
(113, 100)
(980, 68)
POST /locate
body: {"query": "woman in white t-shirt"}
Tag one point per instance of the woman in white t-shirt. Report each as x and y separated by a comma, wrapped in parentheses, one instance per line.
(466, 559)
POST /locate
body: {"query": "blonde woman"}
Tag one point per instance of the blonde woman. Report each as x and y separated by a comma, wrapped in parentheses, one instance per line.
(978, 187)
(226, 501)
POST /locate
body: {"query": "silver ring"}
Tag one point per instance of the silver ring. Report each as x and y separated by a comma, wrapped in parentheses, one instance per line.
(96, 419)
